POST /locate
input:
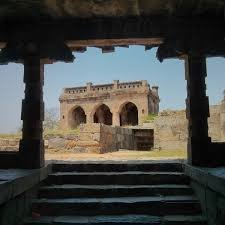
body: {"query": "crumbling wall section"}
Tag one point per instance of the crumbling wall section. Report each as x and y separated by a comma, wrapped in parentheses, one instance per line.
(171, 128)
(214, 123)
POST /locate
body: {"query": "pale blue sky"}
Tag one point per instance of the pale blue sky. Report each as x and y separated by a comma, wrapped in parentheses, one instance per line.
(124, 64)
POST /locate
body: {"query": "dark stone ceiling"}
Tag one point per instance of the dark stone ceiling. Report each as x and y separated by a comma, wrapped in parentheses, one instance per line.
(37, 10)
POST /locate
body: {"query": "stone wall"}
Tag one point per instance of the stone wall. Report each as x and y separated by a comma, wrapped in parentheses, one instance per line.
(94, 138)
(18, 188)
(209, 186)
(11, 144)
(170, 128)
(170, 133)
(215, 123)
(116, 138)
(106, 138)
(98, 138)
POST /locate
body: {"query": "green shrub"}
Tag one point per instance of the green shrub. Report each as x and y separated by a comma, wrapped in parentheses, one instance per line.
(149, 118)
(11, 136)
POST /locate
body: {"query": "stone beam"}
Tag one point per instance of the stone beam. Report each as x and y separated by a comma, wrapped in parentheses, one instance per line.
(49, 52)
(114, 42)
(108, 49)
(144, 30)
(109, 28)
(79, 49)
(178, 48)
(193, 37)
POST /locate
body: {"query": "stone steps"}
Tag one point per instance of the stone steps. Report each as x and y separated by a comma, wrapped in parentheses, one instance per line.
(123, 220)
(121, 178)
(170, 205)
(117, 193)
(117, 167)
(73, 191)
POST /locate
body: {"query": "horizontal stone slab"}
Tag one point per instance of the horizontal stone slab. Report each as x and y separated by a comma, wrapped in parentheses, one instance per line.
(73, 191)
(163, 205)
(121, 219)
(14, 182)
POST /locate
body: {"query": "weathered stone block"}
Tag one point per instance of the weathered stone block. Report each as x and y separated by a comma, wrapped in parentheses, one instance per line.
(56, 143)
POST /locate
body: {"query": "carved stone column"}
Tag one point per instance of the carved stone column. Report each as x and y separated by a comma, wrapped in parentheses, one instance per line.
(197, 111)
(116, 119)
(90, 118)
(32, 143)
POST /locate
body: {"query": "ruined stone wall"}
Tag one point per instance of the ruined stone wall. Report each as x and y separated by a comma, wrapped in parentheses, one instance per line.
(115, 138)
(9, 144)
(215, 123)
(100, 138)
(170, 128)
(170, 133)
(94, 138)
(222, 120)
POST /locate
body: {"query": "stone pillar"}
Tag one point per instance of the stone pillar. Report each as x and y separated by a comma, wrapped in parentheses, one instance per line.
(140, 118)
(116, 119)
(197, 110)
(89, 84)
(32, 143)
(115, 84)
(89, 117)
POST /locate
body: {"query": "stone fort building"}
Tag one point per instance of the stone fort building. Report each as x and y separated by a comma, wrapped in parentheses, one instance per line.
(118, 104)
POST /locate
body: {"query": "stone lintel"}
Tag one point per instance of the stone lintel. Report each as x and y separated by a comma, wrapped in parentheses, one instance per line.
(49, 51)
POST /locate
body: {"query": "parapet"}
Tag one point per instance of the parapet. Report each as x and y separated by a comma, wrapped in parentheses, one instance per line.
(111, 87)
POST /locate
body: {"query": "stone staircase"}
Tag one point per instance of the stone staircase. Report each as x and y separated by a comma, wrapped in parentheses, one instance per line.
(110, 194)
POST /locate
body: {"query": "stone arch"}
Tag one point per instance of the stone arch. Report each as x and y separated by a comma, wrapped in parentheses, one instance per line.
(77, 116)
(128, 114)
(102, 114)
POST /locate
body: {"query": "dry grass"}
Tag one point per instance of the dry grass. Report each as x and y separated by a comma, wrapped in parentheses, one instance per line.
(47, 133)
(123, 155)
(11, 136)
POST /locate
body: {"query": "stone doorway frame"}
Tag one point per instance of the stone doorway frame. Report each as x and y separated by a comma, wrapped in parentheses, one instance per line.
(25, 43)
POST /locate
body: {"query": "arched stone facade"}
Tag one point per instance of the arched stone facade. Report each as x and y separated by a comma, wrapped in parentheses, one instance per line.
(128, 114)
(112, 104)
(103, 115)
(76, 117)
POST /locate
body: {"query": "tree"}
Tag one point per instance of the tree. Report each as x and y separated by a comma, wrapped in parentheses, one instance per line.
(51, 119)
